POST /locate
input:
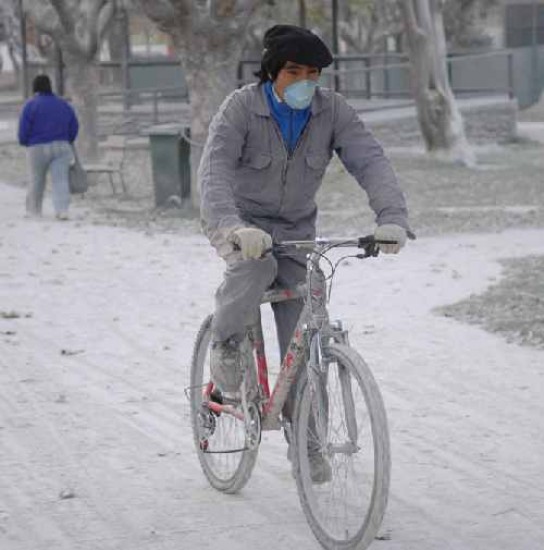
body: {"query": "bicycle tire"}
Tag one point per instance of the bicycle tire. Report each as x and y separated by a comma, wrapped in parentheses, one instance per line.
(353, 523)
(229, 465)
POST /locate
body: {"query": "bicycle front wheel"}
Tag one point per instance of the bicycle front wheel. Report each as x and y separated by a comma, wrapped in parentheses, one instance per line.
(344, 429)
(220, 440)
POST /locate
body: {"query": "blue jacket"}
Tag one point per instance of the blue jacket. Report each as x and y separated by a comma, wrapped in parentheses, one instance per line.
(290, 121)
(46, 118)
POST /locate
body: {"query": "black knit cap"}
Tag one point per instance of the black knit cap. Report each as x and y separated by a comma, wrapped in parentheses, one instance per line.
(284, 43)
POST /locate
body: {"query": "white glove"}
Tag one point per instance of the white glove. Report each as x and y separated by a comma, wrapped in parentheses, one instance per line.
(390, 232)
(253, 242)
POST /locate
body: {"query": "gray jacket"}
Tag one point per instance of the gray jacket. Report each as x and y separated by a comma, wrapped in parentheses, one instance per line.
(247, 176)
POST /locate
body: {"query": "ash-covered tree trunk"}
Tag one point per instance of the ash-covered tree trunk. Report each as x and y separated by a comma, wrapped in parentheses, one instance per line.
(208, 37)
(365, 24)
(78, 27)
(439, 117)
(12, 27)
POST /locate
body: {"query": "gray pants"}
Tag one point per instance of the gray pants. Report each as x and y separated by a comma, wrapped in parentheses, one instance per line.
(56, 157)
(239, 296)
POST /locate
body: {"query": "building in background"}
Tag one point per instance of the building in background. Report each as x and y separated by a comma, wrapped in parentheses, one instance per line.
(516, 23)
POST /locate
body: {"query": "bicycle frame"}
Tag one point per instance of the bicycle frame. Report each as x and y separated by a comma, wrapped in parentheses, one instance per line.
(294, 358)
(304, 344)
(338, 422)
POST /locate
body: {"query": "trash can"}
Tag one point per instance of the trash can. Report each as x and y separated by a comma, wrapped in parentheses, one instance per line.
(170, 163)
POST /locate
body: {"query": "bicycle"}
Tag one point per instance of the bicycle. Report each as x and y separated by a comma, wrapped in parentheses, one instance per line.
(339, 410)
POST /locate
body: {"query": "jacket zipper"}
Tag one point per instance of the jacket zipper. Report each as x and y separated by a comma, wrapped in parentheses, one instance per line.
(288, 155)
(301, 138)
(286, 150)
(290, 130)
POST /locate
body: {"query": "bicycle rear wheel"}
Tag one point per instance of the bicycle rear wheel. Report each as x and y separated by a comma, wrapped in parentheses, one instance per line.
(220, 440)
(345, 512)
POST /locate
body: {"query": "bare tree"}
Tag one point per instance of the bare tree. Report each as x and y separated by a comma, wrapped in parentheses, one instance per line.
(365, 24)
(266, 15)
(12, 34)
(78, 27)
(461, 22)
(208, 36)
(439, 117)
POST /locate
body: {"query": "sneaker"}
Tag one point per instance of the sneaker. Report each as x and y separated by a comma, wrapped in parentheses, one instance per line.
(62, 216)
(320, 468)
(226, 366)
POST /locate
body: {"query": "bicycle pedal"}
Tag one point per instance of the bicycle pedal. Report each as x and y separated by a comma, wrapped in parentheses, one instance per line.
(216, 396)
(226, 398)
(206, 419)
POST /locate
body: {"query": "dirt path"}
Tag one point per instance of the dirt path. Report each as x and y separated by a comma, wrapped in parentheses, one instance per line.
(96, 329)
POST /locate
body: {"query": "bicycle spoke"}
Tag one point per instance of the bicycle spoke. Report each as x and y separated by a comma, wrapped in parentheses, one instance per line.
(341, 509)
(220, 437)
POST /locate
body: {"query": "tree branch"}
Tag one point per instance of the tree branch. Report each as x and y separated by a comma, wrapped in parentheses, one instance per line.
(65, 18)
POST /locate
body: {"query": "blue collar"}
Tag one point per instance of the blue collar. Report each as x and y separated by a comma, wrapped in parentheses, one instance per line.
(290, 121)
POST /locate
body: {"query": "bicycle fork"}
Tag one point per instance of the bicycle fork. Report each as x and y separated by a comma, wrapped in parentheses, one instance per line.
(318, 373)
(317, 377)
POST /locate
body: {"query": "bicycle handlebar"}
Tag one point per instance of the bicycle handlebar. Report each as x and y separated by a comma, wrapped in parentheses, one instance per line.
(358, 242)
(369, 241)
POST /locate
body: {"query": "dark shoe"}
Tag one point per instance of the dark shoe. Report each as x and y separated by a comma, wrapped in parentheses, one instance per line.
(320, 468)
(226, 366)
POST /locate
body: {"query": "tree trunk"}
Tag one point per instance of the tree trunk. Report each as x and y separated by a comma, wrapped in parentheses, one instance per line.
(208, 86)
(439, 117)
(84, 83)
(208, 37)
(210, 61)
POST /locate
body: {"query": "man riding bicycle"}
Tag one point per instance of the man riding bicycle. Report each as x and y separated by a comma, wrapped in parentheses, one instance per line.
(267, 150)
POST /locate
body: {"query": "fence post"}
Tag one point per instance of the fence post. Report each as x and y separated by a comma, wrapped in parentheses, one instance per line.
(368, 77)
(336, 80)
(155, 107)
(510, 66)
(240, 74)
(125, 58)
(386, 85)
(59, 70)
(24, 53)
(535, 88)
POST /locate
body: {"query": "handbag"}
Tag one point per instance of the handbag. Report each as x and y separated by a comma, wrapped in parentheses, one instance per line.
(77, 177)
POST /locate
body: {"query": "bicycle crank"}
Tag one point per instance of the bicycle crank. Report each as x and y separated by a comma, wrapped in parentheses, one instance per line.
(206, 426)
(252, 426)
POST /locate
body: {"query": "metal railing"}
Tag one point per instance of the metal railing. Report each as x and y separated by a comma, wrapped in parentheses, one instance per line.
(145, 96)
(383, 76)
(387, 76)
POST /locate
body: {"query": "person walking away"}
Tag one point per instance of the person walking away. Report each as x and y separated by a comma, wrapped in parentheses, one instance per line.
(48, 126)
(264, 159)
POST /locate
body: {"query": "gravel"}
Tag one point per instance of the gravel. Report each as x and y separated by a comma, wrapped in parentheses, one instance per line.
(513, 308)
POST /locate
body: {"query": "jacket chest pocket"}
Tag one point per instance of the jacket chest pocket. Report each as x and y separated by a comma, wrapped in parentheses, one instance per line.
(253, 180)
(315, 167)
(317, 162)
(256, 160)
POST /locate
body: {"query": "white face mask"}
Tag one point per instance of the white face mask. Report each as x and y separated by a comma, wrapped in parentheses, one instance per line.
(300, 94)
